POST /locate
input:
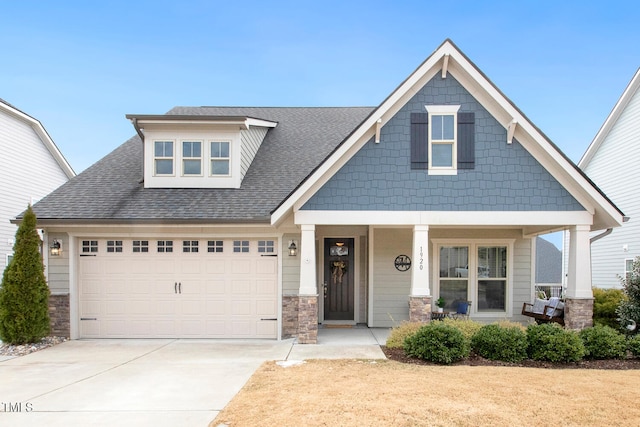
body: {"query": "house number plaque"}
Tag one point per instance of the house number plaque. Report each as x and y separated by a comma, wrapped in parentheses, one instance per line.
(402, 262)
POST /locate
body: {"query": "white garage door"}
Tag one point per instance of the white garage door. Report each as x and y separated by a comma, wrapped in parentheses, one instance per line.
(177, 288)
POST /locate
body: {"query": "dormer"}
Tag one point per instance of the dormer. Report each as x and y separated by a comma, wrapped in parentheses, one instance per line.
(198, 151)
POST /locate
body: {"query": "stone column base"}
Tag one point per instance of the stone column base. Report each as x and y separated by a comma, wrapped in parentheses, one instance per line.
(420, 309)
(289, 316)
(59, 315)
(578, 313)
(308, 319)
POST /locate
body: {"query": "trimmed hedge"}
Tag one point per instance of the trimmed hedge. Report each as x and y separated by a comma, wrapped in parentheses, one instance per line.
(438, 343)
(468, 327)
(399, 333)
(552, 343)
(633, 345)
(494, 342)
(603, 342)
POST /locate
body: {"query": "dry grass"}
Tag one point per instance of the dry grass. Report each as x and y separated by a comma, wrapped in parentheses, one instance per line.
(388, 393)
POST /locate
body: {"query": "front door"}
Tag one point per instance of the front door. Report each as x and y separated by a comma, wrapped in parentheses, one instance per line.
(338, 279)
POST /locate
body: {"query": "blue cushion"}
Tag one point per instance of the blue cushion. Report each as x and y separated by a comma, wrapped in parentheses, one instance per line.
(463, 307)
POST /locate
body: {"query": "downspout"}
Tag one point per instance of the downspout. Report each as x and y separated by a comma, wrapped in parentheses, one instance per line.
(134, 122)
(605, 233)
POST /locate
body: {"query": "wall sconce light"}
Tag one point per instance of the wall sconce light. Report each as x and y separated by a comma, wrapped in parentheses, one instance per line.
(56, 248)
(293, 248)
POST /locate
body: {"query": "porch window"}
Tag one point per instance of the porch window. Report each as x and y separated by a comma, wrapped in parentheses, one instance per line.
(492, 278)
(454, 275)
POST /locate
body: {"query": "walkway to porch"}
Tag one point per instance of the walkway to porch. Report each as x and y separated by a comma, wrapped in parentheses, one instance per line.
(351, 342)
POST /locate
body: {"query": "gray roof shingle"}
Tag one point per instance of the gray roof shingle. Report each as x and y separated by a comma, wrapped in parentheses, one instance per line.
(112, 190)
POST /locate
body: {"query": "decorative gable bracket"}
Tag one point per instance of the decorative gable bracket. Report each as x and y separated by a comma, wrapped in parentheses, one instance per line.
(511, 130)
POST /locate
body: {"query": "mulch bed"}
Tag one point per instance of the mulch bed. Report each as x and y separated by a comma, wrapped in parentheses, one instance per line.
(398, 355)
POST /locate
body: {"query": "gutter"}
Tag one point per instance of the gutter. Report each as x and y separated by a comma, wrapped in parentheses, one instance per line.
(606, 232)
(134, 121)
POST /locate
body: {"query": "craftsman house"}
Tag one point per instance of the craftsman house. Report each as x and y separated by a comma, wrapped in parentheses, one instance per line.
(265, 222)
(611, 162)
(31, 166)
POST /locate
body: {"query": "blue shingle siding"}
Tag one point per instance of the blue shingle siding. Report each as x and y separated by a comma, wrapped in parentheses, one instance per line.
(505, 177)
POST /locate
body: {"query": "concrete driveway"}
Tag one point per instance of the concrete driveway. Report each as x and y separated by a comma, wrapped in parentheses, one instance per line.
(129, 382)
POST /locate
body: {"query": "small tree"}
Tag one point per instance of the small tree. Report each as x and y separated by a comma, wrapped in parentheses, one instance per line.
(629, 310)
(24, 296)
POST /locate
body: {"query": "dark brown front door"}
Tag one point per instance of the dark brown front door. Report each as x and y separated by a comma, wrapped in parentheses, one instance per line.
(338, 279)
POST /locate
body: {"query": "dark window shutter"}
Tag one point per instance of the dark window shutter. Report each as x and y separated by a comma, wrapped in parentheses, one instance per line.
(466, 140)
(419, 140)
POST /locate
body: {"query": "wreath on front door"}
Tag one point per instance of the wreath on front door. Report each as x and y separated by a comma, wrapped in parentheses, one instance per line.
(338, 271)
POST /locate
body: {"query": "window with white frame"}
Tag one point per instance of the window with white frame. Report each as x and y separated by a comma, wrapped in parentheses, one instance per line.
(220, 158)
(266, 246)
(140, 246)
(240, 246)
(165, 246)
(476, 272)
(191, 158)
(442, 136)
(190, 246)
(215, 246)
(628, 268)
(163, 157)
(89, 246)
(114, 246)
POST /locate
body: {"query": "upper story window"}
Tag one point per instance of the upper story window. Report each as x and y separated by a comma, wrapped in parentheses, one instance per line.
(442, 137)
(443, 140)
(192, 158)
(220, 158)
(163, 157)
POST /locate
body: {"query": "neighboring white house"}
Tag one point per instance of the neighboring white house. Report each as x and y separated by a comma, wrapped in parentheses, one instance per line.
(611, 161)
(31, 166)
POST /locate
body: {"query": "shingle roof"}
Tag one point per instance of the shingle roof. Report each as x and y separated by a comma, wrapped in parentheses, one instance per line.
(112, 190)
(548, 262)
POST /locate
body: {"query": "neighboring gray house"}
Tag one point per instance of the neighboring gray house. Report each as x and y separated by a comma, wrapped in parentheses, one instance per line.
(611, 161)
(548, 268)
(31, 166)
(259, 222)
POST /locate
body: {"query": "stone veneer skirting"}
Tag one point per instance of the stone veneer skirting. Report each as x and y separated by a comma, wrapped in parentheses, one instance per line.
(59, 315)
(578, 313)
(308, 319)
(289, 316)
(419, 309)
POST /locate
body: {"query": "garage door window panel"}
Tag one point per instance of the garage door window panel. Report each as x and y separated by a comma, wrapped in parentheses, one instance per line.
(114, 246)
(189, 246)
(165, 246)
(89, 246)
(266, 246)
(215, 246)
(140, 246)
(241, 246)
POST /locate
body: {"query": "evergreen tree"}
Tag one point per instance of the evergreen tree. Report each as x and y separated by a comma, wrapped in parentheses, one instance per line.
(629, 311)
(24, 296)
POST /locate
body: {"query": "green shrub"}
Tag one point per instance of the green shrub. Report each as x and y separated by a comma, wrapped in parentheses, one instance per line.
(551, 342)
(438, 343)
(603, 342)
(633, 344)
(399, 333)
(504, 323)
(24, 295)
(605, 304)
(628, 310)
(466, 326)
(494, 342)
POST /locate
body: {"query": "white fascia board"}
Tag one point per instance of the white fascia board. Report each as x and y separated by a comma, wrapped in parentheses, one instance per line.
(545, 219)
(259, 122)
(44, 137)
(363, 133)
(531, 139)
(611, 120)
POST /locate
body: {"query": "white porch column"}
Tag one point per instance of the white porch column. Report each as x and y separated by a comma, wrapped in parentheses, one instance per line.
(420, 262)
(579, 270)
(308, 278)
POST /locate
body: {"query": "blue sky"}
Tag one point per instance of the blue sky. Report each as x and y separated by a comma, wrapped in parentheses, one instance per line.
(80, 66)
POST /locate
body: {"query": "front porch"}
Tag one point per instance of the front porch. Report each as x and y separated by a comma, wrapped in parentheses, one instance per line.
(379, 276)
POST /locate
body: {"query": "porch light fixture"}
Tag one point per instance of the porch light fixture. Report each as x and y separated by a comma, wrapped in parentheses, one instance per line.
(293, 248)
(56, 248)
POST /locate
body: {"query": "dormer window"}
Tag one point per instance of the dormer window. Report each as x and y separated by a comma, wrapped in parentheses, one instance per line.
(191, 158)
(183, 151)
(163, 157)
(220, 158)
